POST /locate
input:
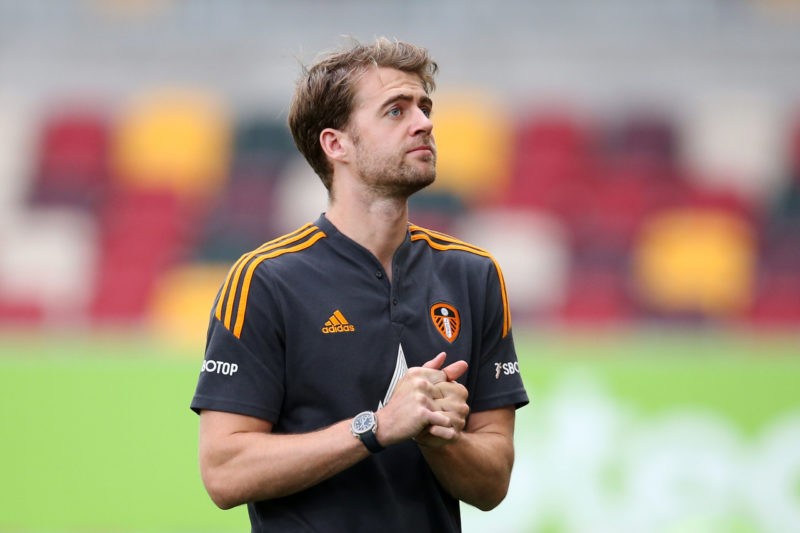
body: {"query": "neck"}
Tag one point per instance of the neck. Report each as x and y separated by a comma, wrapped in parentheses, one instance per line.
(379, 225)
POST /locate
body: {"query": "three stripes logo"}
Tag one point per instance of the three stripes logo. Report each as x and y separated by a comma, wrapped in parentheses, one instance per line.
(447, 320)
(337, 323)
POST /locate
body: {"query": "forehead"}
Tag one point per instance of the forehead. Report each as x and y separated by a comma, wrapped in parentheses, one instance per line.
(378, 84)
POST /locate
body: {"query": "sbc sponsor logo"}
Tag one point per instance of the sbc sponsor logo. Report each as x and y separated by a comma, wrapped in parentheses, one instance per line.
(220, 367)
(505, 369)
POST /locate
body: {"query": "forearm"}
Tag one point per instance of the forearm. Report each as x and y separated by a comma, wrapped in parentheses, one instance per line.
(475, 468)
(241, 460)
(252, 466)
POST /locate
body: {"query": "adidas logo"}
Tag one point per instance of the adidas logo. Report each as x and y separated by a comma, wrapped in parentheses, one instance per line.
(337, 323)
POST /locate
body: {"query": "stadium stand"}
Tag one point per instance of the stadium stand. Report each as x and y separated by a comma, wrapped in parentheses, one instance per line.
(596, 222)
(686, 207)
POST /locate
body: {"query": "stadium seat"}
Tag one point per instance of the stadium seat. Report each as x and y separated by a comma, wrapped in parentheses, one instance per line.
(17, 155)
(598, 296)
(473, 137)
(643, 142)
(689, 260)
(241, 217)
(552, 163)
(20, 312)
(178, 140)
(262, 148)
(144, 233)
(437, 210)
(180, 304)
(532, 251)
(776, 303)
(300, 195)
(47, 264)
(734, 142)
(72, 164)
(777, 294)
(611, 214)
(780, 243)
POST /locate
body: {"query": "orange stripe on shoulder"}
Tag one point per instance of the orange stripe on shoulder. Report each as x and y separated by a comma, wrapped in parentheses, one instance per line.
(444, 238)
(233, 297)
(442, 241)
(232, 281)
(239, 324)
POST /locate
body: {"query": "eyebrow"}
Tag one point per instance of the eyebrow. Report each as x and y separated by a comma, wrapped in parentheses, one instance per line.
(425, 100)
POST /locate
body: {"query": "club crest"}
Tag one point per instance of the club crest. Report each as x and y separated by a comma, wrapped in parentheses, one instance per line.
(447, 320)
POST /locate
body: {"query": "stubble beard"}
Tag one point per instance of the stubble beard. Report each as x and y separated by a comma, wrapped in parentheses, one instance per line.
(394, 177)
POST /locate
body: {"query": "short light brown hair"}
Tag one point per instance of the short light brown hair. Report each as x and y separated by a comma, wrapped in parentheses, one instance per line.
(324, 95)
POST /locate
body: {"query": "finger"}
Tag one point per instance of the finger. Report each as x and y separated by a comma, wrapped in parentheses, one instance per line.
(438, 418)
(455, 370)
(437, 362)
(444, 433)
(453, 388)
(455, 421)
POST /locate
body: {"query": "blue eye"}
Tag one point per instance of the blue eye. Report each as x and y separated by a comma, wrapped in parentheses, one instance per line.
(394, 112)
(427, 111)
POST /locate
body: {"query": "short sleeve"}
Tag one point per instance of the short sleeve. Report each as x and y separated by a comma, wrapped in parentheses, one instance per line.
(242, 371)
(499, 381)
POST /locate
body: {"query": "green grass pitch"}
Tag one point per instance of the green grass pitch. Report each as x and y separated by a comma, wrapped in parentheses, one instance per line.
(97, 434)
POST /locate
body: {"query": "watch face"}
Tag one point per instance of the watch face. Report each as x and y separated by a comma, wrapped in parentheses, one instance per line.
(363, 422)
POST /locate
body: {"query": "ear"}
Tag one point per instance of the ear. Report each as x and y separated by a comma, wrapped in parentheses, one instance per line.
(334, 144)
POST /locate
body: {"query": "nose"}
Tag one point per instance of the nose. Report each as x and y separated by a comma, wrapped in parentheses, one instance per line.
(422, 123)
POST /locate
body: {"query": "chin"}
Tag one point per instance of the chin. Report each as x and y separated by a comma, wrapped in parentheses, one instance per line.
(405, 188)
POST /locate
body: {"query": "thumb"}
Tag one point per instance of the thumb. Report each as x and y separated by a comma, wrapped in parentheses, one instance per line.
(437, 362)
(455, 370)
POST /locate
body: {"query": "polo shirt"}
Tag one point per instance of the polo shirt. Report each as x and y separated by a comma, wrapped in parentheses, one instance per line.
(307, 330)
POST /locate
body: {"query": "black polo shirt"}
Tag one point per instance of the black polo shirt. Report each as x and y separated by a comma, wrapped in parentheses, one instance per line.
(307, 331)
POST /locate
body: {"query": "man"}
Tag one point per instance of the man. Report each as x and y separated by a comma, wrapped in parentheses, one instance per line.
(360, 373)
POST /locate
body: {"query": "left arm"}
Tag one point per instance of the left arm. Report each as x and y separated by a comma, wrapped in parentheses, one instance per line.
(473, 456)
(473, 464)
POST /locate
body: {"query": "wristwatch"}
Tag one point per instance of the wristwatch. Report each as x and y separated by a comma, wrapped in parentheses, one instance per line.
(363, 427)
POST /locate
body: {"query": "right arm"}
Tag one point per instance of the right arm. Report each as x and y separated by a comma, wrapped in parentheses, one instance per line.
(241, 460)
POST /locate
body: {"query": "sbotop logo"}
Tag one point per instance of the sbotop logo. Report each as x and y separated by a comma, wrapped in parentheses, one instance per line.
(220, 367)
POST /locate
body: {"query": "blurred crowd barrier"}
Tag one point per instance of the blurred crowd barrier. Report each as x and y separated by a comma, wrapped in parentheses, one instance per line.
(131, 215)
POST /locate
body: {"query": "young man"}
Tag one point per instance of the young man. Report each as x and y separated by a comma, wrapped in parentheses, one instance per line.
(360, 372)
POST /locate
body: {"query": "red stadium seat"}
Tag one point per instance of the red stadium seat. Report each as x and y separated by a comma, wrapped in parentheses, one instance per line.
(645, 142)
(21, 313)
(143, 234)
(777, 300)
(72, 165)
(598, 296)
(551, 164)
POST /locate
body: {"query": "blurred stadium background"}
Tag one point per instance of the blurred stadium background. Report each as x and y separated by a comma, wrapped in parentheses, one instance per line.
(635, 167)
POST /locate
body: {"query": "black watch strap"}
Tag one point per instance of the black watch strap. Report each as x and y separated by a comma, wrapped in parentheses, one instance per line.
(371, 442)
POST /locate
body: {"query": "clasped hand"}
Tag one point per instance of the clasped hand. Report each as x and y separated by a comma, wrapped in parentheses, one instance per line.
(428, 406)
